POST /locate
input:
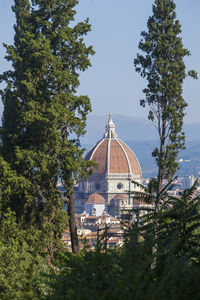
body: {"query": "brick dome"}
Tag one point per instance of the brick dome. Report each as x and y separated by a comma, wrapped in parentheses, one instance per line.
(95, 199)
(113, 155)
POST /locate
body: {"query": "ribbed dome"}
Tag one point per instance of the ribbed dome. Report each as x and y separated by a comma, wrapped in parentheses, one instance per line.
(113, 155)
(95, 199)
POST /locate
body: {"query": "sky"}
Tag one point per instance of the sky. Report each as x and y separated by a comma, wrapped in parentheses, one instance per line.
(112, 82)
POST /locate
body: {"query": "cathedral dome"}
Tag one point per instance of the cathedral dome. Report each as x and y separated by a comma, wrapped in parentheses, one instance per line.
(113, 155)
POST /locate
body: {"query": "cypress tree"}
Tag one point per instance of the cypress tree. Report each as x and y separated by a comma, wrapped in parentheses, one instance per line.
(164, 68)
(43, 117)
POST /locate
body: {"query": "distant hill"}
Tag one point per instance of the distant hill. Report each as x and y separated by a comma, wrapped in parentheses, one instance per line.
(192, 131)
(189, 159)
(131, 128)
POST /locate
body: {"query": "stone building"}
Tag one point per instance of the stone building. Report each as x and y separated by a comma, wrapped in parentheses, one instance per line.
(95, 205)
(112, 179)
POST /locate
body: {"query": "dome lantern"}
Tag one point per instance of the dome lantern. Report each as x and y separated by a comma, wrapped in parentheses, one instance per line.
(110, 129)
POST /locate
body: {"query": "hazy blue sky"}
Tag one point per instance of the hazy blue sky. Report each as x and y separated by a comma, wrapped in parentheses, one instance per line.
(112, 83)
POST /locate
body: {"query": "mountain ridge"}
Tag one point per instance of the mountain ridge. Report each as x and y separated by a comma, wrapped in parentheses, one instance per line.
(131, 128)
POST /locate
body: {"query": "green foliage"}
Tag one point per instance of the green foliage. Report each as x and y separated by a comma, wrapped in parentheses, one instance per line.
(177, 269)
(164, 68)
(42, 122)
(159, 260)
(21, 265)
(88, 276)
(43, 117)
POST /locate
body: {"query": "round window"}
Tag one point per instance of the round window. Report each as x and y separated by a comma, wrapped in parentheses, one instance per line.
(119, 186)
(97, 186)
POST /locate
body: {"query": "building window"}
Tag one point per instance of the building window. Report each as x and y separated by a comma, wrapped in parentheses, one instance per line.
(119, 186)
(97, 186)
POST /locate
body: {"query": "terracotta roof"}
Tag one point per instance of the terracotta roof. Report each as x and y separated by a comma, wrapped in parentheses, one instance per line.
(95, 199)
(118, 159)
(113, 156)
(99, 154)
(91, 218)
(121, 196)
(134, 164)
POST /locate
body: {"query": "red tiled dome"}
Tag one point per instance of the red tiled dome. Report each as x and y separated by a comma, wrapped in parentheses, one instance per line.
(95, 199)
(113, 155)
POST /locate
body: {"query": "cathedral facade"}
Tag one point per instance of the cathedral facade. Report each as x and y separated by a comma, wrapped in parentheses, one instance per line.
(113, 179)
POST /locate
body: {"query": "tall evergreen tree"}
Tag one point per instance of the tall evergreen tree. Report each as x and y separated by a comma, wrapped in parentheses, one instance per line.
(164, 68)
(43, 117)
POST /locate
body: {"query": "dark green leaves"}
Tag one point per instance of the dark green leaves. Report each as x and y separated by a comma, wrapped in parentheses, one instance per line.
(43, 116)
(162, 64)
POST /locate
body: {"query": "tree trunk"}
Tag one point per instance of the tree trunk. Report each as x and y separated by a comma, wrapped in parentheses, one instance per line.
(72, 223)
(159, 188)
(69, 185)
(160, 166)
